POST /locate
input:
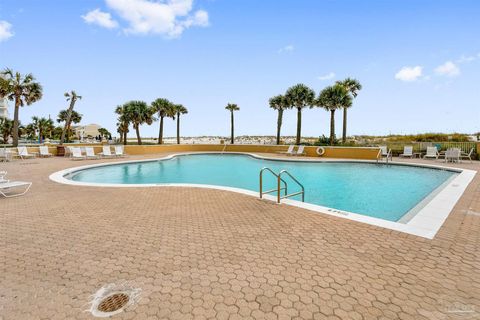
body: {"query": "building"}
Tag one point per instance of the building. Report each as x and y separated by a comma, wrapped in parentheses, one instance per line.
(3, 108)
(86, 131)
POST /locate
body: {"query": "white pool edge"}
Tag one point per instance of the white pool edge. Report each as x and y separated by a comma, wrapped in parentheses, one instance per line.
(425, 223)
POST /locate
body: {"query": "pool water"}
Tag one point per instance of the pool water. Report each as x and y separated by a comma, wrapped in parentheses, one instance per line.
(377, 190)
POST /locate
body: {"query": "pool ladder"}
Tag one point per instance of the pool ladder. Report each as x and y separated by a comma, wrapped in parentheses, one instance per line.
(280, 182)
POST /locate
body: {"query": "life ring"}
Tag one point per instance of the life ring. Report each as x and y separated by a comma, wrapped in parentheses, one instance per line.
(320, 151)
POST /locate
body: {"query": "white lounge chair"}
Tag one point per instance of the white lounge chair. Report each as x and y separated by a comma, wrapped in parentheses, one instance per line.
(77, 153)
(432, 152)
(3, 175)
(5, 155)
(23, 153)
(452, 155)
(106, 152)
(468, 156)
(44, 152)
(119, 151)
(407, 152)
(290, 151)
(6, 188)
(90, 153)
(385, 152)
(300, 151)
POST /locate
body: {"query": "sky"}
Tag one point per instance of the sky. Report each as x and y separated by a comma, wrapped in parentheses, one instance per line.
(418, 61)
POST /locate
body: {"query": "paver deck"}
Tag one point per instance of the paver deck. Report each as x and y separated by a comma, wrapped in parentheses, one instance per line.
(211, 254)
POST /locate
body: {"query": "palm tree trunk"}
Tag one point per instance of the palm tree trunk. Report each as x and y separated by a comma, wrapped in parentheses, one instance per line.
(332, 127)
(299, 125)
(160, 131)
(232, 123)
(279, 124)
(125, 138)
(15, 122)
(67, 121)
(139, 139)
(178, 128)
(344, 135)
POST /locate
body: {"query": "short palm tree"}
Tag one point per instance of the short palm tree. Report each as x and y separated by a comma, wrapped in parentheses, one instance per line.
(123, 123)
(138, 112)
(179, 110)
(21, 89)
(43, 126)
(71, 96)
(163, 108)
(352, 86)
(232, 107)
(75, 117)
(279, 103)
(300, 96)
(333, 98)
(6, 129)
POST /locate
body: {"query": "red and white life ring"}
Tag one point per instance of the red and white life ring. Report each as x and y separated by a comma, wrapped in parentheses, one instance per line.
(320, 151)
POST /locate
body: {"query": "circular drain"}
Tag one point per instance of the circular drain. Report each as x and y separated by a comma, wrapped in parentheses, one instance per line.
(113, 302)
(113, 299)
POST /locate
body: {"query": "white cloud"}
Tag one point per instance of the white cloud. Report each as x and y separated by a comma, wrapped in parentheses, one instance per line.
(98, 17)
(169, 18)
(409, 73)
(327, 76)
(448, 69)
(5, 30)
(288, 48)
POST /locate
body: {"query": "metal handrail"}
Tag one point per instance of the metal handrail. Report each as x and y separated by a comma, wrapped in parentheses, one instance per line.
(292, 194)
(278, 183)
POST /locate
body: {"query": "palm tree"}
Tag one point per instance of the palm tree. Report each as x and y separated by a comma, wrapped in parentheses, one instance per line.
(104, 133)
(43, 126)
(6, 129)
(75, 117)
(138, 112)
(123, 123)
(21, 89)
(164, 108)
(232, 107)
(179, 109)
(72, 97)
(279, 103)
(300, 96)
(333, 98)
(352, 86)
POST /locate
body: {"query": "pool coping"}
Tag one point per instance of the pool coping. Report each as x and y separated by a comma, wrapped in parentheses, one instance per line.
(425, 223)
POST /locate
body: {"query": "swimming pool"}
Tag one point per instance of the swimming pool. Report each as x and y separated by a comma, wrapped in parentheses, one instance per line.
(387, 192)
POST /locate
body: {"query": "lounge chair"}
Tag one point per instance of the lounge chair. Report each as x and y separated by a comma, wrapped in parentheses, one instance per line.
(23, 153)
(6, 187)
(106, 152)
(119, 151)
(76, 153)
(290, 150)
(44, 152)
(5, 155)
(385, 152)
(90, 153)
(468, 156)
(432, 152)
(300, 151)
(452, 155)
(3, 175)
(407, 152)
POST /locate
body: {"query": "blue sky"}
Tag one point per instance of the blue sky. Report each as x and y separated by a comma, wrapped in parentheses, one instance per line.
(418, 61)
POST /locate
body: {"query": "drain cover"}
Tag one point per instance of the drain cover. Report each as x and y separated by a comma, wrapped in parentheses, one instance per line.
(113, 302)
(112, 299)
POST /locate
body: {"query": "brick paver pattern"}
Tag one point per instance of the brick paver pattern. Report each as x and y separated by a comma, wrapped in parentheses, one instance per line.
(211, 254)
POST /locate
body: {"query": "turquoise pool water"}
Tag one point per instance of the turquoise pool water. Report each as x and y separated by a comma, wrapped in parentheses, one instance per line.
(378, 190)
